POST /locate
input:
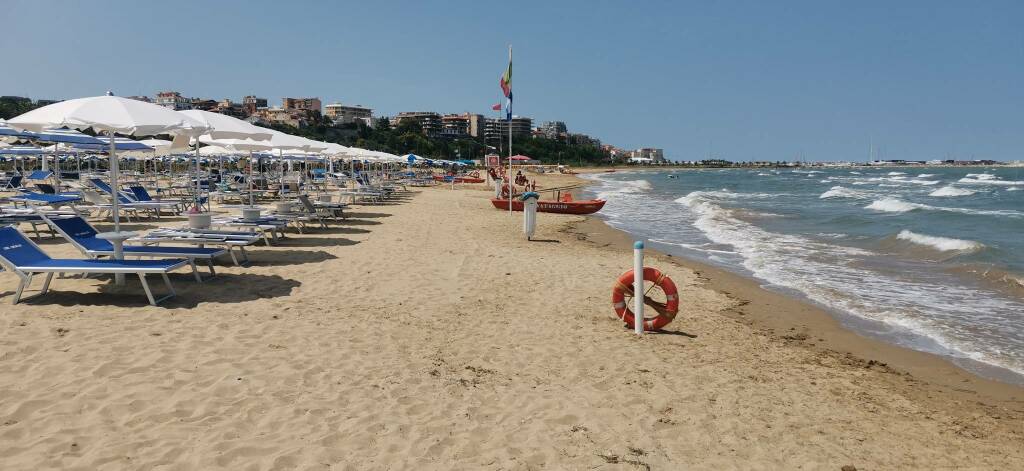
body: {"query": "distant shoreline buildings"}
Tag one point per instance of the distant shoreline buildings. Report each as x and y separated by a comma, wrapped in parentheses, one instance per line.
(493, 132)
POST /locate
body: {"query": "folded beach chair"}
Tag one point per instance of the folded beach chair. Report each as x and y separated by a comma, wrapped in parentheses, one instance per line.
(230, 240)
(83, 236)
(97, 202)
(270, 228)
(306, 214)
(25, 259)
(323, 209)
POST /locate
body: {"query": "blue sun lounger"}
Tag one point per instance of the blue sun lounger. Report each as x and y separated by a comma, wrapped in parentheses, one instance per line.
(43, 198)
(25, 259)
(83, 236)
(123, 199)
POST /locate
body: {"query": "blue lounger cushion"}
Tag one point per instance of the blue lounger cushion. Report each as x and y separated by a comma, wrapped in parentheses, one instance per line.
(173, 251)
(102, 266)
(45, 198)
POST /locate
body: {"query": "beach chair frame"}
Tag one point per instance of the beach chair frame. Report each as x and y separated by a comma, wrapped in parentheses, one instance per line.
(26, 274)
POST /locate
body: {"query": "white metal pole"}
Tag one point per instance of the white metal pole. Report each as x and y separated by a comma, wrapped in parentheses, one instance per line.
(113, 181)
(252, 188)
(638, 287)
(197, 208)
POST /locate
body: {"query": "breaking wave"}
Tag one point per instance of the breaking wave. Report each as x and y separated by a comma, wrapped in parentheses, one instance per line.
(944, 244)
(951, 191)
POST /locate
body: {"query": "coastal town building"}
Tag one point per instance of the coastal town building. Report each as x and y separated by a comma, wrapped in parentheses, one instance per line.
(230, 108)
(652, 154)
(348, 114)
(280, 116)
(497, 130)
(303, 104)
(583, 140)
(454, 125)
(252, 103)
(204, 104)
(429, 121)
(465, 124)
(173, 100)
(554, 130)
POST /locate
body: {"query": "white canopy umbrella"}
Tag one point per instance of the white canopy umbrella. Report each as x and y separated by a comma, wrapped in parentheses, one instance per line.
(113, 115)
(217, 150)
(224, 127)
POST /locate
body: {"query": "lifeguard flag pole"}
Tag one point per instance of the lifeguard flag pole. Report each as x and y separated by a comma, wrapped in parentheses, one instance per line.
(506, 88)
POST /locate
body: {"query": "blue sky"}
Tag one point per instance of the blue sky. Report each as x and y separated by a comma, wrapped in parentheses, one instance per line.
(742, 80)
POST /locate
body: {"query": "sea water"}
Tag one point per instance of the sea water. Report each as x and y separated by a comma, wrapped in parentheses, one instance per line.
(927, 258)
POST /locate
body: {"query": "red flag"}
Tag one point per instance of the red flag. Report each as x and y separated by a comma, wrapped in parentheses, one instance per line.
(496, 107)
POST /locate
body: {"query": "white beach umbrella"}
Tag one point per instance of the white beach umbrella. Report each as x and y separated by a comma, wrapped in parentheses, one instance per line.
(224, 127)
(217, 150)
(113, 115)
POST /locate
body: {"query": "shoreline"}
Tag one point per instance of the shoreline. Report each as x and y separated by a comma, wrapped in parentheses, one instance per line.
(801, 322)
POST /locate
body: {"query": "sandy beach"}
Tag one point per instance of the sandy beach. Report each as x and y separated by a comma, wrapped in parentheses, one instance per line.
(427, 333)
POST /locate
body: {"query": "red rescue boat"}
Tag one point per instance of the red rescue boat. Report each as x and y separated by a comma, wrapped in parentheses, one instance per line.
(566, 206)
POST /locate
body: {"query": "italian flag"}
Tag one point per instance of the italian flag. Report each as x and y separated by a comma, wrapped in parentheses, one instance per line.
(506, 79)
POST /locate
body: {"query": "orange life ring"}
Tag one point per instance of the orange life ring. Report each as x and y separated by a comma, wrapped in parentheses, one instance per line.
(666, 312)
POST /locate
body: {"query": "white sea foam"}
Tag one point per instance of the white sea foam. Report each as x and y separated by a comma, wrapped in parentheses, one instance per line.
(831, 274)
(841, 192)
(944, 244)
(622, 187)
(981, 176)
(894, 205)
(926, 175)
(897, 173)
(951, 191)
(854, 173)
(978, 180)
(1013, 189)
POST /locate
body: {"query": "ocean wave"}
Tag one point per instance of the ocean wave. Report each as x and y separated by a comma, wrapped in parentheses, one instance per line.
(989, 181)
(925, 175)
(723, 194)
(897, 173)
(622, 187)
(943, 244)
(832, 274)
(841, 192)
(981, 176)
(894, 205)
(951, 191)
